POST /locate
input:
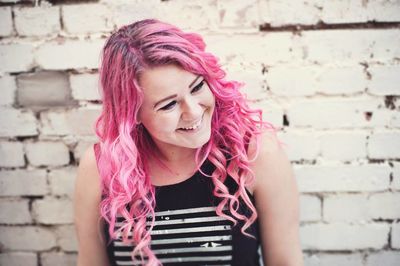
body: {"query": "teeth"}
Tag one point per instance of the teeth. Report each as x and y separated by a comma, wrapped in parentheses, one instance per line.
(194, 126)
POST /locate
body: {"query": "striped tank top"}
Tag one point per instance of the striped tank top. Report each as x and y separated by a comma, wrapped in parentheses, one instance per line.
(187, 230)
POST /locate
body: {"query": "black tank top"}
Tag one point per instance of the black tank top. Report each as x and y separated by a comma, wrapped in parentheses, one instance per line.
(188, 231)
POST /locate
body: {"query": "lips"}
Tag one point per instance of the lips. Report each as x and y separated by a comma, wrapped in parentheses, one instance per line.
(193, 126)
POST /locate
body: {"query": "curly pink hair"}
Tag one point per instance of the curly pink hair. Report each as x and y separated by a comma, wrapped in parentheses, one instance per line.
(124, 146)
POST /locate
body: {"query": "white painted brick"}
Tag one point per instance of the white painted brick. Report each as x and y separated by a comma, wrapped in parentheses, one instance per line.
(62, 181)
(16, 57)
(82, 146)
(272, 112)
(53, 211)
(385, 206)
(310, 208)
(47, 153)
(11, 154)
(41, 90)
(85, 18)
(238, 14)
(59, 259)
(279, 13)
(342, 178)
(66, 236)
(72, 122)
(23, 183)
(387, 258)
(343, 12)
(344, 146)
(396, 176)
(328, 113)
(381, 10)
(384, 145)
(85, 87)
(346, 208)
(385, 80)
(395, 239)
(340, 236)
(193, 15)
(37, 21)
(291, 80)
(30, 238)
(300, 145)
(14, 211)
(6, 27)
(328, 77)
(8, 88)
(350, 46)
(69, 54)
(15, 122)
(18, 259)
(334, 260)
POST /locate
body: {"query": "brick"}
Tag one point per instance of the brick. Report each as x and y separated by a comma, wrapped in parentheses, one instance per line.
(349, 178)
(387, 258)
(6, 27)
(334, 113)
(69, 55)
(15, 211)
(66, 236)
(193, 15)
(11, 154)
(8, 89)
(346, 208)
(41, 90)
(62, 181)
(47, 153)
(395, 185)
(280, 13)
(84, 18)
(23, 183)
(385, 206)
(331, 236)
(349, 46)
(344, 146)
(82, 146)
(85, 87)
(238, 14)
(71, 122)
(292, 80)
(37, 21)
(395, 239)
(310, 208)
(334, 259)
(387, 11)
(384, 145)
(16, 57)
(53, 211)
(272, 112)
(301, 145)
(14, 122)
(384, 80)
(333, 12)
(18, 259)
(30, 238)
(59, 259)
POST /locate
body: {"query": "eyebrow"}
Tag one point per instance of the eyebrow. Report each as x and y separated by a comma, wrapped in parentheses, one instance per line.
(175, 95)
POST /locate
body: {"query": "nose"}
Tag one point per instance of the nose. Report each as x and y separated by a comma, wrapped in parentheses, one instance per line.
(191, 109)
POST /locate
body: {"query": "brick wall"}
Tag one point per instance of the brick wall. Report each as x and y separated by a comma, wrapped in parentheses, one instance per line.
(328, 72)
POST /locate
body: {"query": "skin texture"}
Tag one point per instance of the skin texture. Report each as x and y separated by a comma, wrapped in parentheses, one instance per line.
(275, 189)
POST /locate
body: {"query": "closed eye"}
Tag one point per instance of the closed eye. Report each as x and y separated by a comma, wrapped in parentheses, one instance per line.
(198, 87)
(169, 106)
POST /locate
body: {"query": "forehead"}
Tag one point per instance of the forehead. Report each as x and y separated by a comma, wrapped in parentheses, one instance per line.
(165, 80)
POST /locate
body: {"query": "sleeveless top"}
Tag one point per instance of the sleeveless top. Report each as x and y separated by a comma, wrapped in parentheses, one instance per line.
(187, 230)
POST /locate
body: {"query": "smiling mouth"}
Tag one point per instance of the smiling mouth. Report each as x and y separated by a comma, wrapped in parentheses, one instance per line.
(193, 127)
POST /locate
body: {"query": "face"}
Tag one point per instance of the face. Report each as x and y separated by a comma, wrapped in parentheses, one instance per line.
(177, 107)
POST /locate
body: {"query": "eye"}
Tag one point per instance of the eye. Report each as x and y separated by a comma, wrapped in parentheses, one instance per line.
(168, 106)
(198, 87)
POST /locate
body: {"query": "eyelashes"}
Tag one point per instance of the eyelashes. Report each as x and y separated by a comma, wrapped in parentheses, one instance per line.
(172, 104)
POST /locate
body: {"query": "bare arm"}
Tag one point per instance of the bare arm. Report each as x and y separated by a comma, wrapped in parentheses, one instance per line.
(277, 203)
(87, 196)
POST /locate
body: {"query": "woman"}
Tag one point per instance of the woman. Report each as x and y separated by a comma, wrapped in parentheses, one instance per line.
(185, 173)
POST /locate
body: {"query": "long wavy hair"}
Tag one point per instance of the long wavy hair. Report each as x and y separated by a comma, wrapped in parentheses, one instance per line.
(125, 145)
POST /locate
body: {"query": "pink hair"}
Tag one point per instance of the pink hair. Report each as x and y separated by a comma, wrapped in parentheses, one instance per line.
(125, 146)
